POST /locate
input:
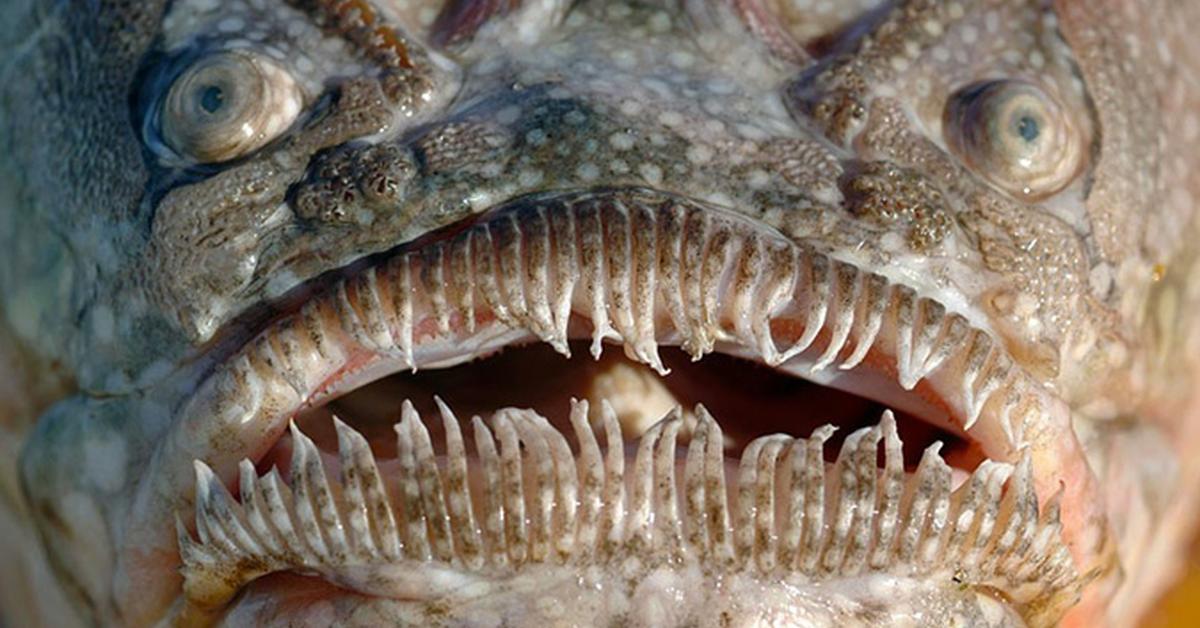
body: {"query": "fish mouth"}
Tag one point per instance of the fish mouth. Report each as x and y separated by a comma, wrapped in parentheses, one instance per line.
(328, 450)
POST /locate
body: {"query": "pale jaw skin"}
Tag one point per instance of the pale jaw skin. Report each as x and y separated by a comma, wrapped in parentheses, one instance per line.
(223, 215)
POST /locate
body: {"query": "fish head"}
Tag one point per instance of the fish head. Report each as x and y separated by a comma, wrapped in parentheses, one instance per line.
(230, 220)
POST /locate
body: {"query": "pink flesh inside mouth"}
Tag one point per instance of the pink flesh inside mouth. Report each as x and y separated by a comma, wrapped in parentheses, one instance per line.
(478, 363)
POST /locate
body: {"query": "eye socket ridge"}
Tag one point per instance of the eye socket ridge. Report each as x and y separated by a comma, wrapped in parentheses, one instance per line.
(223, 105)
(1016, 135)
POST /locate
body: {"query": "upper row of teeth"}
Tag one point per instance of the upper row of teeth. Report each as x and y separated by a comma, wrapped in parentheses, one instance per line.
(541, 503)
(643, 273)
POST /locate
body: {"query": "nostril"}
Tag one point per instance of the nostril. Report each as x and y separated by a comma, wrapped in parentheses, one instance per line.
(352, 182)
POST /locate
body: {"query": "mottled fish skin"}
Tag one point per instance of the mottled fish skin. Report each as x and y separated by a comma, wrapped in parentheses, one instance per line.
(131, 272)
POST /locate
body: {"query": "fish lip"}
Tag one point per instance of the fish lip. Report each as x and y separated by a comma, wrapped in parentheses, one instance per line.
(252, 393)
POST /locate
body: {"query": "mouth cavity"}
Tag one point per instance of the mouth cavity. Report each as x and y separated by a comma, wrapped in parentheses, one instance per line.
(401, 497)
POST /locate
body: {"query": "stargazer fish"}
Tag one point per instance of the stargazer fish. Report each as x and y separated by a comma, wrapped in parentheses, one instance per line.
(597, 312)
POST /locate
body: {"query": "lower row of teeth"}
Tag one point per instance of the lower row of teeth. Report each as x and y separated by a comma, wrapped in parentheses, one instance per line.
(540, 502)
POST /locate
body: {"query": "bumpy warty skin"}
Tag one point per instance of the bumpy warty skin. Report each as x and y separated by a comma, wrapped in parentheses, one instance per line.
(130, 273)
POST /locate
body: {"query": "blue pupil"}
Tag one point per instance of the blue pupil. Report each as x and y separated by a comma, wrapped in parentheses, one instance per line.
(212, 98)
(1028, 128)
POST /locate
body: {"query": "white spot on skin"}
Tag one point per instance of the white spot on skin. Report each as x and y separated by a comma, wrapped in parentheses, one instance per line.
(508, 115)
(587, 171)
(103, 324)
(660, 22)
(670, 118)
(536, 137)
(758, 179)
(651, 173)
(575, 117)
(104, 458)
(699, 153)
(231, 25)
(529, 177)
(621, 140)
(969, 34)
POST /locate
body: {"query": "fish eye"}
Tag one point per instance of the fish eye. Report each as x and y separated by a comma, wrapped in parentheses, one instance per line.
(226, 105)
(1016, 135)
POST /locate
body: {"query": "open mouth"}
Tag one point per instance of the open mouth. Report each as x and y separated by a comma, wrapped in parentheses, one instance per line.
(781, 425)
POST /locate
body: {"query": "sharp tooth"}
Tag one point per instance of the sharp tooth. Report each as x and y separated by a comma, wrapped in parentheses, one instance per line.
(566, 268)
(592, 468)
(458, 498)
(777, 289)
(348, 317)
(483, 250)
(670, 235)
(314, 330)
(915, 339)
(764, 504)
(1018, 512)
(793, 527)
(950, 340)
(979, 356)
(429, 479)
(939, 510)
(434, 281)
(747, 495)
(536, 264)
(506, 232)
(215, 524)
(614, 479)
(697, 337)
(542, 488)
(416, 536)
(876, 294)
(279, 509)
(314, 501)
(462, 279)
(639, 538)
(928, 485)
(254, 507)
(748, 269)
(371, 310)
(848, 493)
(867, 483)
(666, 514)
(616, 239)
(511, 472)
(717, 504)
(818, 298)
(989, 510)
(591, 252)
(846, 286)
(566, 487)
(1048, 533)
(190, 552)
(712, 269)
(266, 346)
(814, 498)
(369, 515)
(400, 271)
(644, 253)
(352, 495)
(964, 511)
(493, 518)
(694, 480)
(891, 493)
(904, 321)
